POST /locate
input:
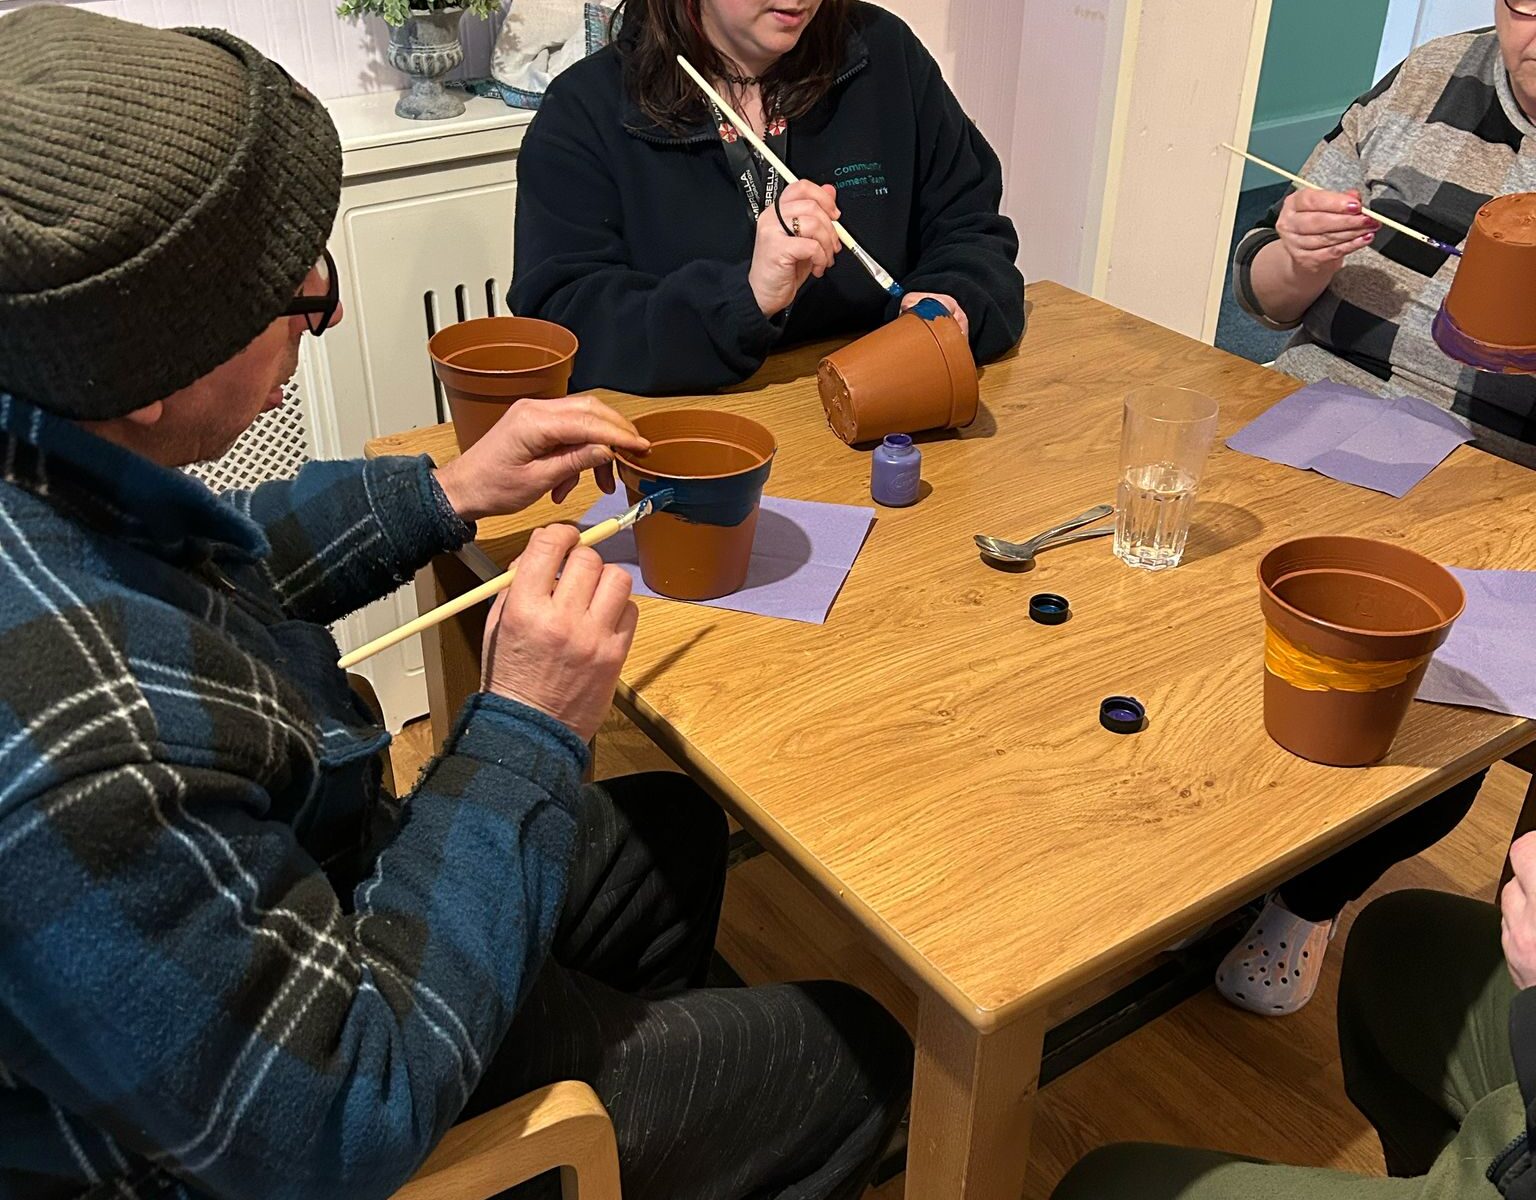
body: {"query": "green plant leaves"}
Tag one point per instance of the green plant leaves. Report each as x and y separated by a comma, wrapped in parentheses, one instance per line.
(397, 12)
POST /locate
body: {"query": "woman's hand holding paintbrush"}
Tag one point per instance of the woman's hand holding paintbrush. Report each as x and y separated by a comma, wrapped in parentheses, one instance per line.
(1318, 231)
(782, 263)
(794, 242)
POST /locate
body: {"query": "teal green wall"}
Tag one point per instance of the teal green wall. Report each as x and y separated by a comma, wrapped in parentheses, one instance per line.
(1320, 55)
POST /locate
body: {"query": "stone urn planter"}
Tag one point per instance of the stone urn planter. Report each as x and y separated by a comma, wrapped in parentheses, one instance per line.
(426, 47)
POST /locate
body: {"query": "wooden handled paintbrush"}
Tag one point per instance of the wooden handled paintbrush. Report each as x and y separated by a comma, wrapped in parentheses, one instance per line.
(598, 533)
(1375, 216)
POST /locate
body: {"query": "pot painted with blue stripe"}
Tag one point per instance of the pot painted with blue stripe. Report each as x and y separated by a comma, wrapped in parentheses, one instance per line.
(716, 464)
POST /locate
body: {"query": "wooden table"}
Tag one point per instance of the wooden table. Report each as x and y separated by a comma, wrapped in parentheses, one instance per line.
(931, 762)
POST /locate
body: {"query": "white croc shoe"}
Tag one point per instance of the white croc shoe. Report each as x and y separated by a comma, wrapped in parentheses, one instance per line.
(1275, 969)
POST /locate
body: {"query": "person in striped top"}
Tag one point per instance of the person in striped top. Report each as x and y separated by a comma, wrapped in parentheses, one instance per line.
(1429, 145)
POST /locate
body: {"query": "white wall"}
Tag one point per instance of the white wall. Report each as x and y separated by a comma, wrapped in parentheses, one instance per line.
(1411, 23)
(330, 56)
(1188, 86)
(1038, 78)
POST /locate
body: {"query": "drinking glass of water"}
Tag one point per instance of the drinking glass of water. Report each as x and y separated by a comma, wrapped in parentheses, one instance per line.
(1163, 447)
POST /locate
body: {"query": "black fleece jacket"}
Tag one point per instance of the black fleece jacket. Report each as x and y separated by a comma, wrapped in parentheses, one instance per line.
(639, 241)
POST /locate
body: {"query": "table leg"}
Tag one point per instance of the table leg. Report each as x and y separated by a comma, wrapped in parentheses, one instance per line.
(450, 651)
(972, 1104)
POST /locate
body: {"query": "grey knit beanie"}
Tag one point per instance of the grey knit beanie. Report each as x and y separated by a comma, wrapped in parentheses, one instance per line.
(163, 194)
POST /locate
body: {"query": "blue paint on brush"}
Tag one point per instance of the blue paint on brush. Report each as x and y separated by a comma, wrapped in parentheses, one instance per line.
(654, 503)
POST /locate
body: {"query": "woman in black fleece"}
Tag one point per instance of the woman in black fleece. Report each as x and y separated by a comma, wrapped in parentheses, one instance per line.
(647, 226)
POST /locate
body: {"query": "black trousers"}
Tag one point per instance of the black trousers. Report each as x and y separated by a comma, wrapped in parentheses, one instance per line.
(1320, 893)
(771, 1093)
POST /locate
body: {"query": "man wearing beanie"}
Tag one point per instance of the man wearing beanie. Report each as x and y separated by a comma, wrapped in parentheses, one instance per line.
(230, 966)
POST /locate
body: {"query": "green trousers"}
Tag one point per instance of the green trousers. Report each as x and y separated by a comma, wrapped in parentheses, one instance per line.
(1424, 1038)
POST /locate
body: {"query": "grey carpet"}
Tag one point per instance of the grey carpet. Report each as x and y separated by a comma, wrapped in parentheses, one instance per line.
(1236, 331)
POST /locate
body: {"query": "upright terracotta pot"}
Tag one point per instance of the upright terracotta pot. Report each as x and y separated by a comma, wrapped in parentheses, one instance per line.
(715, 463)
(490, 363)
(1489, 318)
(911, 374)
(1351, 625)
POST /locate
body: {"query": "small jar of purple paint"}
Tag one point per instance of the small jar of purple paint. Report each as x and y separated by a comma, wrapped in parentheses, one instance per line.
(897, 472)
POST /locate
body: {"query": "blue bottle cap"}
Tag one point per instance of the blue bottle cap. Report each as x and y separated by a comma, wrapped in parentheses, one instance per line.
(1049, 609)
(1123, 714)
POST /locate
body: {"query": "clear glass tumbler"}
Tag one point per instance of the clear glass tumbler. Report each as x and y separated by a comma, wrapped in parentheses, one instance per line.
(1164, 443)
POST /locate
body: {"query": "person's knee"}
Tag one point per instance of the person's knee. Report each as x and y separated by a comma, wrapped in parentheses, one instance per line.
(1431, 927)
(691, 812)
(1377, 940)
(876, 1044)
(1150, 1172)
(1418, 935)
(672, 815)
(1108, 1173)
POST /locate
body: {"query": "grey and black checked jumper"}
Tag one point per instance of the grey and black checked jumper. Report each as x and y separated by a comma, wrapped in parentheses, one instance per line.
(1429, 145)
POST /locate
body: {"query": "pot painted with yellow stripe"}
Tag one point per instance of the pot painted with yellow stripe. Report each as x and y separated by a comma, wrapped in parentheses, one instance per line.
(1351, 625)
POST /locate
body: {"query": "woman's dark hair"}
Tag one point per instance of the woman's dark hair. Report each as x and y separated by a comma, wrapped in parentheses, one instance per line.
(652, 33)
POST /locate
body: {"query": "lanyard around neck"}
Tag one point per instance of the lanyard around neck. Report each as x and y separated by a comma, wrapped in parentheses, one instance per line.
(759, 183)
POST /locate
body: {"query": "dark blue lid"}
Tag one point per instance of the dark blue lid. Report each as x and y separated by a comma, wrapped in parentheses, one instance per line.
(1049, 609)
(1123, 714)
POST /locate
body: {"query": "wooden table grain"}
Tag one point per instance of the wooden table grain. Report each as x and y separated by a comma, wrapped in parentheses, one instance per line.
(931, 762)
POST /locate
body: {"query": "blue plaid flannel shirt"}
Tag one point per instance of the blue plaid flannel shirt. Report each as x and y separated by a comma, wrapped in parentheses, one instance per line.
(227, 968)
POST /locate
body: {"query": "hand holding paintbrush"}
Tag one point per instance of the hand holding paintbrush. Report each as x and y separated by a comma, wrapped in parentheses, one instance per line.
(1307, 185)
(878, 273)
(492, 588)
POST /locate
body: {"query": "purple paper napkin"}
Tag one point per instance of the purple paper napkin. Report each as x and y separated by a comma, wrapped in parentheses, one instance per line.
(800, 557)
(1489, 661)
(1388, 445)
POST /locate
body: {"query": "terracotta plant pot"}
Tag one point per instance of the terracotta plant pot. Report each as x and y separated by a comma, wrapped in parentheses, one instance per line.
(912, 374)
(1351, 625)
(490, 363)
(716, 463)
(1489, 318)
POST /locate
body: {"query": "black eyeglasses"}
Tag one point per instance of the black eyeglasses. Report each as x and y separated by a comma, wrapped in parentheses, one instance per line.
(319, 311)
(1521, 8)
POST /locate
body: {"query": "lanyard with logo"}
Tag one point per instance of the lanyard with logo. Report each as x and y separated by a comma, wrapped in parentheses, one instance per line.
(759, 183)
